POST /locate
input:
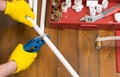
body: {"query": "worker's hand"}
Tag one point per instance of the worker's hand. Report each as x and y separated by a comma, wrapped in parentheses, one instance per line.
(19, 10)
(22, 58)
(17, 0)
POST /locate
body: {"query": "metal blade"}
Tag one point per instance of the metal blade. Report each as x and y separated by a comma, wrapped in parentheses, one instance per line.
(107, 12)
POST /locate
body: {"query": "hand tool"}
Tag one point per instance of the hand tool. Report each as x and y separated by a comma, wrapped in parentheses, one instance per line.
(107, 12)
(54, 49)
(34, 45)
(40, 31)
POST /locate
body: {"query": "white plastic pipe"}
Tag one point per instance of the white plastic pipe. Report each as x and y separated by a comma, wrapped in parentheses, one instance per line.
(35, 7)
(108, 38)
(55, 50)
(31, 3)
(43, 12)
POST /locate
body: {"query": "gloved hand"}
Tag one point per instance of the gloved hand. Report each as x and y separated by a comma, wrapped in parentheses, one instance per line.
(22, 58)
(18, 10)
(17, 0)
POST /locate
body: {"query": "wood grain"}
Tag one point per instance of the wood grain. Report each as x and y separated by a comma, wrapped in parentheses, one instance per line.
(67, 44)
(88, 55)
(77, 46)
(107, 56)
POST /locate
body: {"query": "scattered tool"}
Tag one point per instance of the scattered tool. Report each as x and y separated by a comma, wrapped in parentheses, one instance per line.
(107, 12)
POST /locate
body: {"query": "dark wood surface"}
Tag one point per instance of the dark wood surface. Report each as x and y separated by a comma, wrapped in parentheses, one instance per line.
(77, 46)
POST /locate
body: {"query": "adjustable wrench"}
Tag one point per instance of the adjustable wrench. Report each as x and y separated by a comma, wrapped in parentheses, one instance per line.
(107, 12)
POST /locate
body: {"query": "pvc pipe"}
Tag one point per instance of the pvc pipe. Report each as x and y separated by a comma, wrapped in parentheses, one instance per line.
(35, 5)
(55, 50)
(43, 12)
(108, 38)
(31, 3)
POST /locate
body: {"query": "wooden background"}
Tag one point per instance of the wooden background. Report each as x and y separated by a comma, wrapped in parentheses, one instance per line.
(77, 46)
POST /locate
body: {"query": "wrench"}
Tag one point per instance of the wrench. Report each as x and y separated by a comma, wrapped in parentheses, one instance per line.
(107, 12)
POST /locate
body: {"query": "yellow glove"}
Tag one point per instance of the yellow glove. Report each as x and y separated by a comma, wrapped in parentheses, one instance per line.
(22, 58)
(18, 10)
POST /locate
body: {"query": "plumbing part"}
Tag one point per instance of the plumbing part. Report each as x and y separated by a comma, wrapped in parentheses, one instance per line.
(91, 2)
(117, 17)
(69, 3)
(92, 12)
(54, 17)
(55, 50)
(43, 12)
(107, 12)
(105, 4)
(77, 5)
(55, 10)
(55, 3)
(108, 38)
(99, 40)
(78, 8)
(35, 7)
(64, 7)
(99, 8)
(98, 44)
(77, 2)
(59, 16)
(31, 3)
(91, 6)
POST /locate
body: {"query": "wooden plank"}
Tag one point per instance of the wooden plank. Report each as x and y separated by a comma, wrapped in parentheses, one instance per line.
(88, 55)
(67, 44)
(47, 61)
(117, 33)
(107, 56)
(8, 30)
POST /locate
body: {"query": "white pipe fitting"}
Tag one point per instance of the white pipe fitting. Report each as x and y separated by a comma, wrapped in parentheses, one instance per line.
(77, 2)
(91, 6)
(105, 4)
(92, 12)
(78, 5)
(64, 7)
(99, 8)
(69, 3)
(117, 17)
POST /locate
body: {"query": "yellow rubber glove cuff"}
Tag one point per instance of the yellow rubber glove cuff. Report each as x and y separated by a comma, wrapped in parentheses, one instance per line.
(19, 10)
(17, 0)
(22, 58)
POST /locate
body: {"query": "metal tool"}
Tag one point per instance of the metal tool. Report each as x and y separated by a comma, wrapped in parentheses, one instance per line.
(34, 45)
(101, 15)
